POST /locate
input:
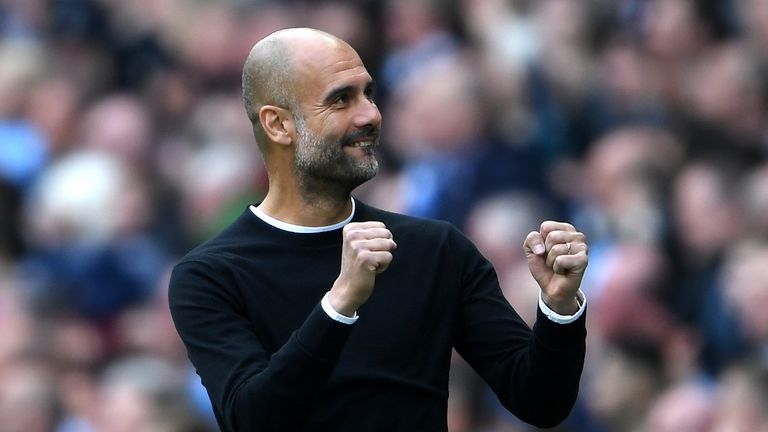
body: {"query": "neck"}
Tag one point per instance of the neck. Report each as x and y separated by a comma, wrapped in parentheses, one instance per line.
(307, 206)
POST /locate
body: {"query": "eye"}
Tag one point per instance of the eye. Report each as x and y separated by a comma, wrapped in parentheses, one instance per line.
(342, 99)
(370, 93)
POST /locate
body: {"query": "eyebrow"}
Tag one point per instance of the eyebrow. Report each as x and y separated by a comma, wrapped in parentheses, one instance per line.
(339, 91)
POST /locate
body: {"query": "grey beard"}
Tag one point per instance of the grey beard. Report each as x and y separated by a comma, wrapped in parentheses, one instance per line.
(323, 167)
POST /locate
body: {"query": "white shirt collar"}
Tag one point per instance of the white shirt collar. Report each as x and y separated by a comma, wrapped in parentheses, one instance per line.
(299, 228)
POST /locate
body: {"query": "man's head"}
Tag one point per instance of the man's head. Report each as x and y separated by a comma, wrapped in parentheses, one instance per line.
(310, 100)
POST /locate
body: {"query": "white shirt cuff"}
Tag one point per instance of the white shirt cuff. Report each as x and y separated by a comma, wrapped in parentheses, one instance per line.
(564, 319)
(326, 304)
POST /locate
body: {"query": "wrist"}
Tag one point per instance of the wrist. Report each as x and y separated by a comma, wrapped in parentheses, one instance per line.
(331, 312)
(568, 306)
(340, 303)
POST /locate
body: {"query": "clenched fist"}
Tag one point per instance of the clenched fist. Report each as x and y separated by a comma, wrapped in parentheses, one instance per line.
(366, 252)
(557, 258)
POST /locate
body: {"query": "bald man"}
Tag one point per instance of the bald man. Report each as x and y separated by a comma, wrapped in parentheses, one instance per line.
(316, 312)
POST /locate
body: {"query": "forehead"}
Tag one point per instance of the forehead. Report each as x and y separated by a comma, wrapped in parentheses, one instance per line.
(328, 65)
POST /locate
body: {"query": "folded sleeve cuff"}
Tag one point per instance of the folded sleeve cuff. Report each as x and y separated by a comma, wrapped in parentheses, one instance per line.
(326, 304)
(564, 319)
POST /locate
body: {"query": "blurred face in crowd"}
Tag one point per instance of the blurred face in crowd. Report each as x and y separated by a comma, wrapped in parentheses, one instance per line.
(746, 288)
(337, 122)
(672, 28)
(706, 219)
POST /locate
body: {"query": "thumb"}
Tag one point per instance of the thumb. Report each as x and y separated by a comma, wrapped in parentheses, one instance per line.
(535, 253)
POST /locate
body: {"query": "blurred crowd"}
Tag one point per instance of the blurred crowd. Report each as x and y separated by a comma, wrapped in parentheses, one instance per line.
(124, 143)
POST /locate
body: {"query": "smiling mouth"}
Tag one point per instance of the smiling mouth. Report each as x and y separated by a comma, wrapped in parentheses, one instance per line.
(363, 144)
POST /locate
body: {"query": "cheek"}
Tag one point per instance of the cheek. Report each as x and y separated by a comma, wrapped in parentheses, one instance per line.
(333, 127)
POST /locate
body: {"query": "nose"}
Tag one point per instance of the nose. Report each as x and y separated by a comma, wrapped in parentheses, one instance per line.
(368, 114)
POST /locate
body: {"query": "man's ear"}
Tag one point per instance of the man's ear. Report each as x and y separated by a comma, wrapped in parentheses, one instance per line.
(278, 124)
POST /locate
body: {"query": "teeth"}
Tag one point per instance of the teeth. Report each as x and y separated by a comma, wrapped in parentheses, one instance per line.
(362, 144)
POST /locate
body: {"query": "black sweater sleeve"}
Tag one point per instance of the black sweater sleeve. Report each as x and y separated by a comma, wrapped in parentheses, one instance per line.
(250, 389)
(535, 373)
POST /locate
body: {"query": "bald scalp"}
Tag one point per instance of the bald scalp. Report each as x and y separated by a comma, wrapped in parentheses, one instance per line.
(270, 75)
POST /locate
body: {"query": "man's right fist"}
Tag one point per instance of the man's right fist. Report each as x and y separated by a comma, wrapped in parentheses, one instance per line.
(366, 252)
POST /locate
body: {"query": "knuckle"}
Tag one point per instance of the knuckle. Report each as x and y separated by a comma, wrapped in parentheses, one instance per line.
(358, 246)
(364, 256)
(355, 234)
(374, 225)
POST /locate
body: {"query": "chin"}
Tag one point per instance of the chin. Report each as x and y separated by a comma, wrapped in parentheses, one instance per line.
(361, 176)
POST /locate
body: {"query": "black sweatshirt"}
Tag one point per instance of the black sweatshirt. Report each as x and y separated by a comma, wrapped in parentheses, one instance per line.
(247, 306)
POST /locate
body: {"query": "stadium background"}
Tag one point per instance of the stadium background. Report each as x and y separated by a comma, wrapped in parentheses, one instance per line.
(123, 143)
